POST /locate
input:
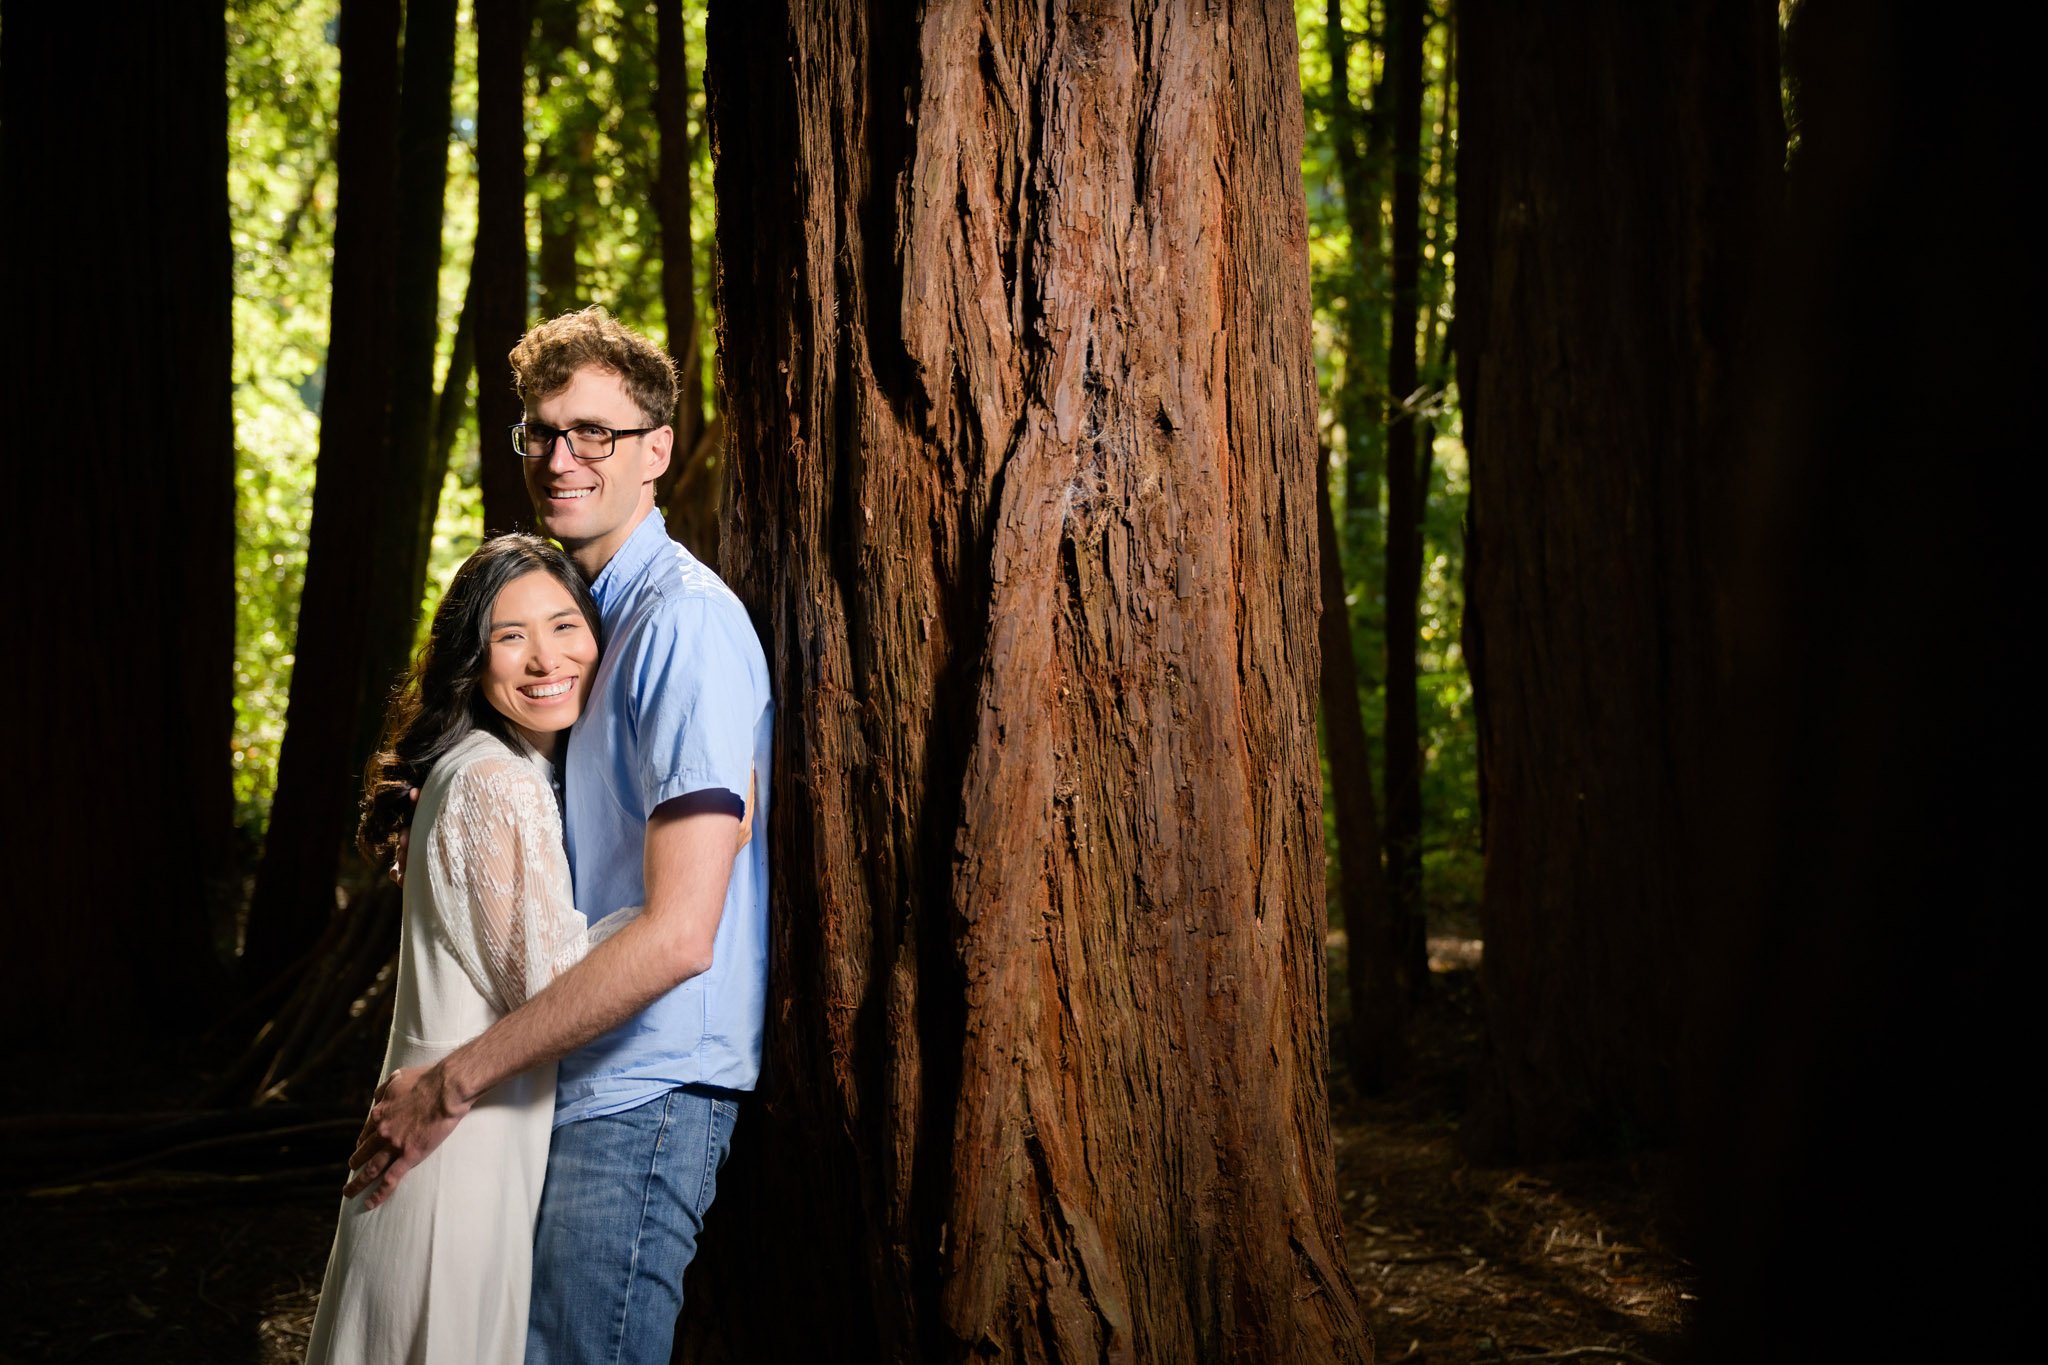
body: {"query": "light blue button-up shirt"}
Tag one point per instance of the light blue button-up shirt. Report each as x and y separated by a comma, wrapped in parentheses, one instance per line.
(680, 704)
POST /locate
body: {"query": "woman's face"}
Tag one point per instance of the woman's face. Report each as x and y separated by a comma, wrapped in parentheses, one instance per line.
(541, 655)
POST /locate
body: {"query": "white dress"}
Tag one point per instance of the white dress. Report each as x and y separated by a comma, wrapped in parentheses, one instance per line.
(441, 1271)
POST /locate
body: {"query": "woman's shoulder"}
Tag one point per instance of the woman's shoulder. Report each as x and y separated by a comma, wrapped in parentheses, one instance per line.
(481, 765)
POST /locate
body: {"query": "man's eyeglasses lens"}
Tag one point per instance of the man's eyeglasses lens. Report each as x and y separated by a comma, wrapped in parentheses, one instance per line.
(536, 441)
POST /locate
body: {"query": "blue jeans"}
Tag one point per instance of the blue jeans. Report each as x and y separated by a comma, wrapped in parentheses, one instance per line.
(624, 1201)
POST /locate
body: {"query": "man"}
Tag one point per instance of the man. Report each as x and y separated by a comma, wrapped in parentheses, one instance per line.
(658, 1030)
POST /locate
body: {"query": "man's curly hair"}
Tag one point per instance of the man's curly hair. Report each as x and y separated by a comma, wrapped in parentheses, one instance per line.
(547, 357)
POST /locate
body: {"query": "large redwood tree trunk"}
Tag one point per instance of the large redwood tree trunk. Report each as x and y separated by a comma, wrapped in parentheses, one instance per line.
(115, 367)
(1016, 338)
(1618, 164)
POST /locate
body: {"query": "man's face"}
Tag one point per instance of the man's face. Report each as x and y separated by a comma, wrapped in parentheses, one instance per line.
(593, 507)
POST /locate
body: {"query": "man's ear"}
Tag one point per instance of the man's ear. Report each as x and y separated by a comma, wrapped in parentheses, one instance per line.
(660, 447)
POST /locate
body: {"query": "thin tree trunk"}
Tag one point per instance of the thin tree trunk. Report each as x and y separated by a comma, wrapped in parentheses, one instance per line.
(1378, 998)
(499, 273)
(1616, 168)
(449, 405)
(1407, 26)
(116, 364)
(565, 161)
(672, 207)
(398, 580)
(1360, 139)
(1022, 412)
(318, 766)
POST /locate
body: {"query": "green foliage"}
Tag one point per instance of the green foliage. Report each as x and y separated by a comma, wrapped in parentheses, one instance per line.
(283, 79)
(283, 87)
(1351, 284)
(593, 159)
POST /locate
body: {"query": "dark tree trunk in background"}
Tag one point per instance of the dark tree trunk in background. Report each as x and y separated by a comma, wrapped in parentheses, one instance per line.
(499, 276)
(398, 580)
(449, 405)
(1022, 498)
(564, 163)
(1377, 973)
(1617, 165)
(672, 207)
(1871, 1008)
(1359, 136)
(1407, 24)
(319, 772)
(120, 808)
(1378, 995)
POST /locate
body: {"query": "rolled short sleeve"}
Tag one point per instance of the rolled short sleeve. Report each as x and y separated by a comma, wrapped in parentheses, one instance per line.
(697, 701)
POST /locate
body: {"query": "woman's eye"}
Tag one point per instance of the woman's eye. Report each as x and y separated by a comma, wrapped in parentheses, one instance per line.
(511, 638)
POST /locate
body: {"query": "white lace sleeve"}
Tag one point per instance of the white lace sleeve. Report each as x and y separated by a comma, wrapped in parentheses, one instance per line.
(501, 881)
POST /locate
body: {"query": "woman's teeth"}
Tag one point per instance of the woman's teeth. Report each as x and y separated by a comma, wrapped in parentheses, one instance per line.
(546, 690)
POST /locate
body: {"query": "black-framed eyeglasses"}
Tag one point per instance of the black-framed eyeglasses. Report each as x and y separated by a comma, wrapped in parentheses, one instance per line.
(588, 441)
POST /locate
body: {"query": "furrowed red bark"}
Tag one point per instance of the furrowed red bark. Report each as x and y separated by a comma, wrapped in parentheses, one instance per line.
(1022, 431)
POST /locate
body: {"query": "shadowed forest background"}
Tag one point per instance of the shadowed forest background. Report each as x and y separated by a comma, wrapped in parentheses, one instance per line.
(1578, 432)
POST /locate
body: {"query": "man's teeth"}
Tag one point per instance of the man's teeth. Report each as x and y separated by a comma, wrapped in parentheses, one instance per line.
(548, 689)
(572, 492)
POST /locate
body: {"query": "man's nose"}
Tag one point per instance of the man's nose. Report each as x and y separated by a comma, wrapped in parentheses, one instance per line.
(560, 459)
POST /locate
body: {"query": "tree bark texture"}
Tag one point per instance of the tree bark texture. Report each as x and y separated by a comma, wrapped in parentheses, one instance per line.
(1408, 24)
(1619, 163)
(1869, 888)
(1379, 997)
(116, 367)
(319, 769)
(499, 273)
(1022, 497)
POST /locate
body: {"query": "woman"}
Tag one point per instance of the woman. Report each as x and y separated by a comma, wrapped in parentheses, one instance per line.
(441, 1270)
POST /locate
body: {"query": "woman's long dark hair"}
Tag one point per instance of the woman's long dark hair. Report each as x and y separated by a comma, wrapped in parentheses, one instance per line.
(438, 702)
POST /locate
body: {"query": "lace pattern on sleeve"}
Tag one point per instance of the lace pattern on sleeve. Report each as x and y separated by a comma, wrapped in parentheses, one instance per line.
(500, 880)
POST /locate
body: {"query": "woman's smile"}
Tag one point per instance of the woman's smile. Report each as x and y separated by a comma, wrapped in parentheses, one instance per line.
(540, 647)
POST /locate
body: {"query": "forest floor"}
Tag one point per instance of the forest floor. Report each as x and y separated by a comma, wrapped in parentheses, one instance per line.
(214, 1254)
(1456, 1261)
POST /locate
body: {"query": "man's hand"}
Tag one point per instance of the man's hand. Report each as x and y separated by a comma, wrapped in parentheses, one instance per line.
(747, 819)
(413, 1113)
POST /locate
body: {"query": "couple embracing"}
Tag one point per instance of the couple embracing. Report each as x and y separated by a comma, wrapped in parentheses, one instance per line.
(584, 955)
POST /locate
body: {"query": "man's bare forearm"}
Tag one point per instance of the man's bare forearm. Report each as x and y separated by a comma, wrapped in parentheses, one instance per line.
(689, 862)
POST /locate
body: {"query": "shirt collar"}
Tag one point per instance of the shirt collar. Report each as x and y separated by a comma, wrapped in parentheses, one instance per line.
(646, 543)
